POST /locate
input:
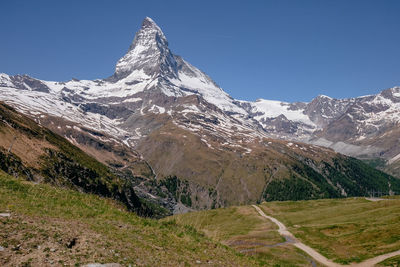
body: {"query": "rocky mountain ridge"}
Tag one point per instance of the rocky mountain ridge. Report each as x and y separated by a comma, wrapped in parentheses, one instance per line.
(361, 126)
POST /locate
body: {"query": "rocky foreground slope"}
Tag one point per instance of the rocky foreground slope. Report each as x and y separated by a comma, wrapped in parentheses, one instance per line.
(161, 118)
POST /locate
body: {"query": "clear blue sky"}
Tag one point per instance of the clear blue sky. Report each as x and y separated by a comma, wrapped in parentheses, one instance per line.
(285, 50)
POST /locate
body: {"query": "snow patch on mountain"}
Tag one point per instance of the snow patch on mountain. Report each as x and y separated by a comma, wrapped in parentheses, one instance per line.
(38, 103)
(272, 109)
(194, 81)
(395, 158)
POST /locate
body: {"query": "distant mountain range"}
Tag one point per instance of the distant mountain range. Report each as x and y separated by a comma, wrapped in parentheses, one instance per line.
(366, 127)
(164, 120)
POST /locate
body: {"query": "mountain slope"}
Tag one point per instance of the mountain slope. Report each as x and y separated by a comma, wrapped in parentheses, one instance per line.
(261, 170)
(32, 152)
(170, 121)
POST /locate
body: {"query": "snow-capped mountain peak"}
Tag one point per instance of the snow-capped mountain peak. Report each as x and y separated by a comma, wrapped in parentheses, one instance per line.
(150, 61)
(148, 52)
(148, 68)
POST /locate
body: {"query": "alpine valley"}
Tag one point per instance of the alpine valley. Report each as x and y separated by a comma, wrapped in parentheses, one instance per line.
(184, 143)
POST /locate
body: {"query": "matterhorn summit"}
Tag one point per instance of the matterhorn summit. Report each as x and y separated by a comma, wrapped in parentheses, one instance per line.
(149, 53)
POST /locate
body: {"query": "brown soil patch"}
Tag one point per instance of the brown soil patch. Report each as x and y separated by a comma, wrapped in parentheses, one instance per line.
(27, 149)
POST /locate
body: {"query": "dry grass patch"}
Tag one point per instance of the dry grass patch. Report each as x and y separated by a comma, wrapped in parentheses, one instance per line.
(29, 150)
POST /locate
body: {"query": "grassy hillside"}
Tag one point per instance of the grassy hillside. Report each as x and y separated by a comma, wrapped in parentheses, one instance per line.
(49, 225)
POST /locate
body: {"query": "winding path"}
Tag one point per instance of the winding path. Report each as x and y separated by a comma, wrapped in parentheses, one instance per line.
(315, 254)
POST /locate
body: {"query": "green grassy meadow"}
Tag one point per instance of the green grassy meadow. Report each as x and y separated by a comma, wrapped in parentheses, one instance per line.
(344, 230)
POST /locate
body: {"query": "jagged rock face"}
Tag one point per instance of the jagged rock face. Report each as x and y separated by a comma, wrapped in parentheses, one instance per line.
(322, 109)
(148, 52)
(368, 128)
(183, 124)
(369, 116)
